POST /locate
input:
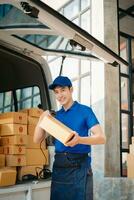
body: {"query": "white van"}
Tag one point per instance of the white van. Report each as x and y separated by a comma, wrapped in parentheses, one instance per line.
(23, 68)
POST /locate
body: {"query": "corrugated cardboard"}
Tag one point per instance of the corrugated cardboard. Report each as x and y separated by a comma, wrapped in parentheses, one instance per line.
(31, 144)
(33, 120)
(1, 150)
(13, 129)
(130, 165)
(56, 129)
(33, 112)
(15, 150)
(28, 170)
(13, 117)
(36, 157)
(14, 140)
(7, 176)
(15, 160)
(2, 160)
(30, 129)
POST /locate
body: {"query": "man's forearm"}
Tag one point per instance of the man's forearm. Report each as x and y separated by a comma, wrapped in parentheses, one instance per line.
(39, 134)
(92, 140)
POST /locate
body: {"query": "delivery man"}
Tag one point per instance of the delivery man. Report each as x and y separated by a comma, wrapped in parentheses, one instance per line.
(72, 174)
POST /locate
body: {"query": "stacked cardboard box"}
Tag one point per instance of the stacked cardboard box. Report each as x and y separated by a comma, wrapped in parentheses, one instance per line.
(13, 131)
(130, 160)
(35, 157)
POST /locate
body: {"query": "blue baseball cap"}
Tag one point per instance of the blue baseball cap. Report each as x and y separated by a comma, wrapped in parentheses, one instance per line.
(60, 81)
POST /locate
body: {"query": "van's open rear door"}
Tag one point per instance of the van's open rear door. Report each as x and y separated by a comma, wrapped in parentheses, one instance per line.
(63, 34)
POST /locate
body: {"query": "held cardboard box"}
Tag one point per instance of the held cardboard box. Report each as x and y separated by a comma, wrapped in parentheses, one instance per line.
(28, 170)
(15, 160)
(2, 160)
(7, 176)
(15, 150)
(36, 157)
(13, 129)
(14, 140)
(13, 117)
(30, 129)
(130, 165)
(33, 120)
(33, 112)
(56, 129)
(32, 145)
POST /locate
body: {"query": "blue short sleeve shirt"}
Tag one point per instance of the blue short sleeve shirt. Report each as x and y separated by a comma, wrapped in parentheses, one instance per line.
(79, 118)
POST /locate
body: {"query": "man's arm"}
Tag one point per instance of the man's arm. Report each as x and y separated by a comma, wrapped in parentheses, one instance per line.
(39, 133)
(97, 137)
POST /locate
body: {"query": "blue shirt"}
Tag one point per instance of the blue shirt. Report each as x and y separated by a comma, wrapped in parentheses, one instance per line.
(79, 118)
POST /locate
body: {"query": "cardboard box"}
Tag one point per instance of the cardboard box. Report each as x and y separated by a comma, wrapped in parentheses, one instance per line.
(131, 148)
(2, 160)
(28, 170)
(14, 140)
(31, 129)
(130, 165)
(15, 160)
(13, 129)
(33, 112)
(7, 176)
(1, 150)
(56, 129)
(32, 145)
(15, 150)
(36, 157)
(13, 117)
(33, 120)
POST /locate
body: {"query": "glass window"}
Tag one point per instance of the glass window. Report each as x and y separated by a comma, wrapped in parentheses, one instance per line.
(85, 90)
(1, 100)
(26, 103)
(76, 21)
(124, 164)
(85, 21)
(85, 4)
(71, 9)
(124, 120)
(7, 100)
(36, 90)
(123, 54)
(71, 67)
(26, 92)
(124, 93)
(7, 109)
(55, 67)
(85, 66)
(36, 101)
(76, 90)
(18, 92)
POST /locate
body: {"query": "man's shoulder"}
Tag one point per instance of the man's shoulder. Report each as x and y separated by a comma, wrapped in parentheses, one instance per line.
(84, 107)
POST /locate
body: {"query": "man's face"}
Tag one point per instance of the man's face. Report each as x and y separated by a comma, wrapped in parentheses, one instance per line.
(63, 94)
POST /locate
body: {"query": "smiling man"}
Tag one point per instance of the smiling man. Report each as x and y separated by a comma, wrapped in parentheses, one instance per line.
(72, 173)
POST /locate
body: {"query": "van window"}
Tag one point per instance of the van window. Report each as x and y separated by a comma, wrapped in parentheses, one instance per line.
(26, 98)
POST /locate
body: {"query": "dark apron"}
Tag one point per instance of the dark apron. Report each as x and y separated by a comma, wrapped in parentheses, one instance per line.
(72, 177)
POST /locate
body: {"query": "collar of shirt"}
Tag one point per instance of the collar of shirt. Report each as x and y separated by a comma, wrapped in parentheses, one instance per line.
(72, 107)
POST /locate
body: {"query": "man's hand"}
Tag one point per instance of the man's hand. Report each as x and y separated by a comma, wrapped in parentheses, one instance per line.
(75, 140)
